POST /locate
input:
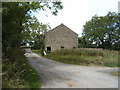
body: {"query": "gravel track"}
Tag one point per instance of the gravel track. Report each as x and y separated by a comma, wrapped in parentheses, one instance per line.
(59, 75)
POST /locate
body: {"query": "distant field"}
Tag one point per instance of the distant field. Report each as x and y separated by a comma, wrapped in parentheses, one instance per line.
(86, 57)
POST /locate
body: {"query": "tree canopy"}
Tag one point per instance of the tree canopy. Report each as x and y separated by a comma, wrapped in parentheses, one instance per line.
(103, 31)
(34, 33)
(17, 21)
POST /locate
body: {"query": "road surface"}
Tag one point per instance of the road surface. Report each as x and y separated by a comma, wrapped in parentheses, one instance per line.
(59, 75)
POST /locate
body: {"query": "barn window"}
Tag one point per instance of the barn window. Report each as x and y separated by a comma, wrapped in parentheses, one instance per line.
(62, 47)
(48, 48)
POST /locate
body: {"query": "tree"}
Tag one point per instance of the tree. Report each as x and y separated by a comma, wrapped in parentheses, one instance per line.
(34, 33)
(15, 15)
(82, 42)
(102, 31)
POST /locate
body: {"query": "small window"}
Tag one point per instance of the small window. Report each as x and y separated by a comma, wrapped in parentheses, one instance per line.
(62, 47)
(48, 48)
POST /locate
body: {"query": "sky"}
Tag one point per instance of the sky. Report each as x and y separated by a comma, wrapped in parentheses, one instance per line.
(75, 13)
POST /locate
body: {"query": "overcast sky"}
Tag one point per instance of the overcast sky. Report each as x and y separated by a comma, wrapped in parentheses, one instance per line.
(76, 12)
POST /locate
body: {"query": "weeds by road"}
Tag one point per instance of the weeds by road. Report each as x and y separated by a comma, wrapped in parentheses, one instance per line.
(19, 74)
(86, 57)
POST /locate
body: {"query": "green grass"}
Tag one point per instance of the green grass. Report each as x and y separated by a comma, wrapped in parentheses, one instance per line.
(37, 51)
(19, 74)
(86, 57)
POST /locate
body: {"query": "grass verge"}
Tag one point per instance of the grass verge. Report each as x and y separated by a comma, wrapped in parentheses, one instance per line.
(18, 73)
(86, 57)
(37, 52)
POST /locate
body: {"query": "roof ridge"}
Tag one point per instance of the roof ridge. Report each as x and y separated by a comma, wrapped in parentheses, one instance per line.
(63, 25)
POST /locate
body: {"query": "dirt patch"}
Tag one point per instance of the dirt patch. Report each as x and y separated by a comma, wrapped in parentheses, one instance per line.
(72, 84)
(115, 74)
(64, 79)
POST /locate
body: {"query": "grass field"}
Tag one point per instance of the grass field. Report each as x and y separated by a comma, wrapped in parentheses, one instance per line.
(86, 57)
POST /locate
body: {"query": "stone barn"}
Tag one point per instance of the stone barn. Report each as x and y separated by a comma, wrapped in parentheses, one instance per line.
(61, 37)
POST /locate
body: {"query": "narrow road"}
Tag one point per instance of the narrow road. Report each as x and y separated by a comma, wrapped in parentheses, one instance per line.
(58, 75)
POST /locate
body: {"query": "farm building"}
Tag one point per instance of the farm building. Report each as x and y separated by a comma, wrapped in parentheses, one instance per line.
(61, 37)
